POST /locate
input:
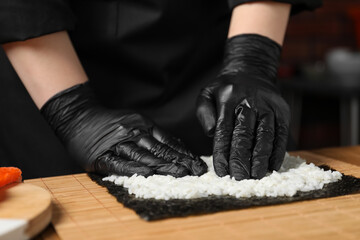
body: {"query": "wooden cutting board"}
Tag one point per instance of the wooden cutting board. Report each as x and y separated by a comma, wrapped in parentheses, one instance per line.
(25, 210)
(84, 210)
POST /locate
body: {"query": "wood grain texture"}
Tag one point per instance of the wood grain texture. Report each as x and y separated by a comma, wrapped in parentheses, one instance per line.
(84, 210)
(27, 202)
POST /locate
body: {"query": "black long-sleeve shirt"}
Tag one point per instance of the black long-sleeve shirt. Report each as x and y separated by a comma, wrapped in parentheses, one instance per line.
(23, 19)
(152, 56)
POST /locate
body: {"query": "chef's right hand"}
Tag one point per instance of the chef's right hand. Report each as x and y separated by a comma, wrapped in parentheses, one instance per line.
(116, 142)
(244, 111)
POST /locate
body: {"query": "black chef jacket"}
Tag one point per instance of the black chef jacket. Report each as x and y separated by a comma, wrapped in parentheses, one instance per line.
(152, 56)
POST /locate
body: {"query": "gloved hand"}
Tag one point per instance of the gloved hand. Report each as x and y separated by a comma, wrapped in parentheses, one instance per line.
(244, 111)
(115, 142)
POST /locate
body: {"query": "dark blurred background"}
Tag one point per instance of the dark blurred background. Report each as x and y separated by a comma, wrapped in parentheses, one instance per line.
(320, 75)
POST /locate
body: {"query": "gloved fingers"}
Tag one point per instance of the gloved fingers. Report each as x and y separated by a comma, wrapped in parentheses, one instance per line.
(222, 140)
(112, 164)
(242, 143)
(172, 169)
(205, 111)
(192, 162)
(171, 141)
(278, 154)
(263, 145)
(165, 152)
(160, 166)
(135, 153)
(196, 166)
(159, 149)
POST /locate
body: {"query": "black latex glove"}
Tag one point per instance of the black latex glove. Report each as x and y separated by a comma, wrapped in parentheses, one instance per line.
(115, 142)
(244, 111)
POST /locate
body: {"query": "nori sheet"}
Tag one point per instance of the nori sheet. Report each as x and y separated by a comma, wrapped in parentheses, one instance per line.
(152, 209)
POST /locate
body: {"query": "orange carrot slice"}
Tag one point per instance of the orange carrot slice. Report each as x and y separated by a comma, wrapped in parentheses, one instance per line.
(9, 175)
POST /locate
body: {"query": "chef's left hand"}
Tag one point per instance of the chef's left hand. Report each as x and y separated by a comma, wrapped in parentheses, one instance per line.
(244, 111)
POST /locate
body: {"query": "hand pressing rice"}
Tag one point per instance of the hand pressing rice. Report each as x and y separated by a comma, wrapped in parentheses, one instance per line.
(294, 175)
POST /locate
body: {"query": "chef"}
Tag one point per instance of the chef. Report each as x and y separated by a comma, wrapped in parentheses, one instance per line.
(144, 86)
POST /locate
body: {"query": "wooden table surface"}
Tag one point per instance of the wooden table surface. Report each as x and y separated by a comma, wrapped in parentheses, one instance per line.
(84, 210)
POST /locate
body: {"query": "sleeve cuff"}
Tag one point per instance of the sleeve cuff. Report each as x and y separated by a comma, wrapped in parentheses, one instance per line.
(24, 19)
(297, 5)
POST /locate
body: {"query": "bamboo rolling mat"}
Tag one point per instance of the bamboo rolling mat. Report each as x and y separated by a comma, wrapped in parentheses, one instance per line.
(84, 210)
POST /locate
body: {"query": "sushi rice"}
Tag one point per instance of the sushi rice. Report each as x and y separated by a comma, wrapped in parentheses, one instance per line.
(294, 175)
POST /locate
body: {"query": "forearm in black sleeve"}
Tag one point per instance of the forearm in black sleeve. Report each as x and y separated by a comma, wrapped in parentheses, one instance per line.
(297, 5)
(24, 19)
